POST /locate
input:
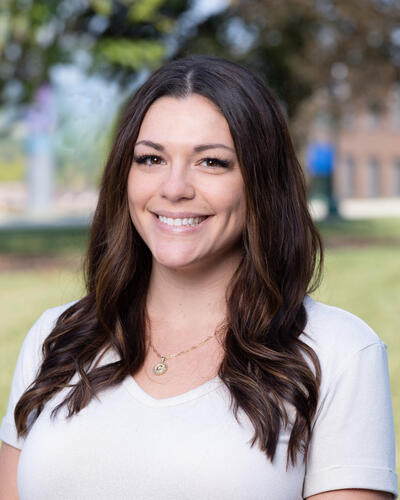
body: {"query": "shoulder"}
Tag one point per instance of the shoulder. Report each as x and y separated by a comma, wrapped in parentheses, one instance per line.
(27, 367)
(31, 351)
(326, 323)
(51, 315)
(336, 335)
(43, 326)
(354, 401)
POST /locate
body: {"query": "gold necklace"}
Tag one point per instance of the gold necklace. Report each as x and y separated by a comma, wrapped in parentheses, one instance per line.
(161, 367)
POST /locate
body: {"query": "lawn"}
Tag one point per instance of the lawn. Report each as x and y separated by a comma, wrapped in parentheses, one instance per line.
(362, 275)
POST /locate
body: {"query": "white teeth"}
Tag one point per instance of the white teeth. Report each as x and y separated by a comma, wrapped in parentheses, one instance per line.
(187, 221)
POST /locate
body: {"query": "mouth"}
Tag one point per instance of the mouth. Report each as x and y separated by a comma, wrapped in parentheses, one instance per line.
(180, 223)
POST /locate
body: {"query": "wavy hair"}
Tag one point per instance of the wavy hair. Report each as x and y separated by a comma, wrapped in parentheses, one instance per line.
(266, 366)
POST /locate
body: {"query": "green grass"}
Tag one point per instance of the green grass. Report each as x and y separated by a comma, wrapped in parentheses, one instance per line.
(374, 231)
(23, 297)
(362, 275)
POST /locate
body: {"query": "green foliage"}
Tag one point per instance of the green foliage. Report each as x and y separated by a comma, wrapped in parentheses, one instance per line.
(43, 33)
(144, 10)
(20, 27)
(165, 25)
(4, 29)
(57, 241)
(40, 13)
(12, 172)
(12, 161)
(103, 7)
(133, 54)
(294, 45)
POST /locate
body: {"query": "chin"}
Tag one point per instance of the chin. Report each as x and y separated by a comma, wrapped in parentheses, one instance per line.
(175, 261)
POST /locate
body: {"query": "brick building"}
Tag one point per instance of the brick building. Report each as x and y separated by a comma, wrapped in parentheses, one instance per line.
(368, 159)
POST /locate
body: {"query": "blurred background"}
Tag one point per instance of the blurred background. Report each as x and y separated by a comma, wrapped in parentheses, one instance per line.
(66, 69)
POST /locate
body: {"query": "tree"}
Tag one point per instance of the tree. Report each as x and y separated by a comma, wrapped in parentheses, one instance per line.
(298, 46)
(115, 37)
(350, 49)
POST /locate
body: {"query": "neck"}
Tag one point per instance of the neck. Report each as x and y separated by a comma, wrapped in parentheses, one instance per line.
(190, 300)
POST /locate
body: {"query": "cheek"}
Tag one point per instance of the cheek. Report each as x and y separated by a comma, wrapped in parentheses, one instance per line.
(235, 199)
(238, 206)
(226, 194)
(230, 202)
(137, 194)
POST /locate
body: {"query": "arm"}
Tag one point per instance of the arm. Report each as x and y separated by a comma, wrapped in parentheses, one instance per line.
(352, 494)
(9, 457)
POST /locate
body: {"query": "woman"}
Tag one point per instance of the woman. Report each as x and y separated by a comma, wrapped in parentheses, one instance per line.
(215, 375)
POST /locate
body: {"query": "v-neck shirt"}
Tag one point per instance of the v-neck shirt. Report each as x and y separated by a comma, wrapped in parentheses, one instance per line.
(126, 444)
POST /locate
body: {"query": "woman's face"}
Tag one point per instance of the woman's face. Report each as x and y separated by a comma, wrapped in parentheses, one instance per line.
(185, 188)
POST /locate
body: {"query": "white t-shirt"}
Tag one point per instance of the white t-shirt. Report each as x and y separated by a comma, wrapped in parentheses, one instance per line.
(128, 445)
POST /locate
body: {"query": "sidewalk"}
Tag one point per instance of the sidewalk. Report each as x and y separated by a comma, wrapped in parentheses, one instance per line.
(70, 208)
(25, 221)
(359, 208)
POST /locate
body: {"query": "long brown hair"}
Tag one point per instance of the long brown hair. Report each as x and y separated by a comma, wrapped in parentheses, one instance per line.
(265, 366)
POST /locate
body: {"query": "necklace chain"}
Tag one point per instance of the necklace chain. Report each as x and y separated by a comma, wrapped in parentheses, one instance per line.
(218, 330)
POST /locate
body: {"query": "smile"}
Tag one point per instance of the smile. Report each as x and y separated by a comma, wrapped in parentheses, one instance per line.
(186, 221)
(180, 225)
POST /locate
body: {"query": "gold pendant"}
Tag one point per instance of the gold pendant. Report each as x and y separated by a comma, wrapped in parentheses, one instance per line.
(161, 367)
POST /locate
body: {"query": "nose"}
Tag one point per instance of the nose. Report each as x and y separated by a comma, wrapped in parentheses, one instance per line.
(177, 183)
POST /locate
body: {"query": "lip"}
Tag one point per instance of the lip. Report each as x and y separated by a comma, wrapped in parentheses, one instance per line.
(179, 229)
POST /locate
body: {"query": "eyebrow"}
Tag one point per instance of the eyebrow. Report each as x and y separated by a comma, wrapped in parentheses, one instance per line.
(197, 149)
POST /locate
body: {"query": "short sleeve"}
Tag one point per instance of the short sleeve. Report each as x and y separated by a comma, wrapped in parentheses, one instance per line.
(26, 369)
(353, 441)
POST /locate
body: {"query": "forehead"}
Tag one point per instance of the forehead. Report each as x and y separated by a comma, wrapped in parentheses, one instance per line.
(189, 119)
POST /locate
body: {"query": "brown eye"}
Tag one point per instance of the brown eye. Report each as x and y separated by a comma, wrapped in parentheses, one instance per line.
(215, 163)
(212, 163)
(157, 159)
(148, 160)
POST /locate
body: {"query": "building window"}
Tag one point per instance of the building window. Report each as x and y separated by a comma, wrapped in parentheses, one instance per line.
(395, 106)
(348, 118)
(350, 176)
(373, 177)
(396, 178)
(373, 116)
